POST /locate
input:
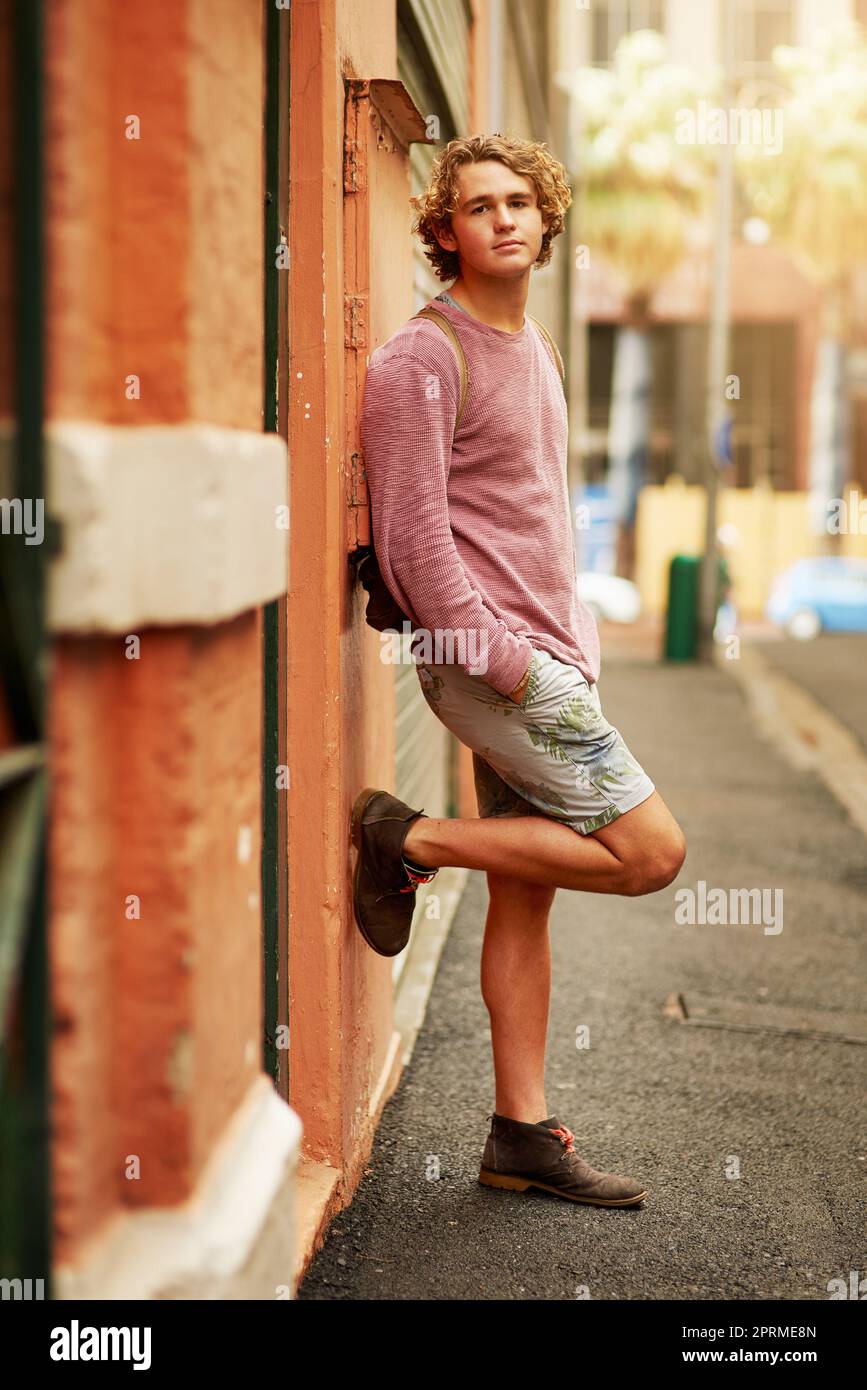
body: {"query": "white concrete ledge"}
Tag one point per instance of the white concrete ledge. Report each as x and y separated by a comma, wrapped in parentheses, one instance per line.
(163, 524)
(235, 1238)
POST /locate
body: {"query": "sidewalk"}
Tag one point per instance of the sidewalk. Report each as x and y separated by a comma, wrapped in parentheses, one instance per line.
(833, 669)
(675, 1104)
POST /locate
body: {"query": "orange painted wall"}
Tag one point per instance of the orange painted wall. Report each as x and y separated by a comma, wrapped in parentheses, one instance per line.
(340, 698)
(154, 251)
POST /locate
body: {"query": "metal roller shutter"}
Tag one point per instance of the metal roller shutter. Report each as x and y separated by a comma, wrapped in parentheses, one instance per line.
(433, 64)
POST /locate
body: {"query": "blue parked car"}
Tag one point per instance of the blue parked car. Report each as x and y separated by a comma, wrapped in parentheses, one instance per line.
(828, 592)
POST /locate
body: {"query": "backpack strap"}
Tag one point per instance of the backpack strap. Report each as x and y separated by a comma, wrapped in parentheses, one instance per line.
(428, 312)
(552, 347)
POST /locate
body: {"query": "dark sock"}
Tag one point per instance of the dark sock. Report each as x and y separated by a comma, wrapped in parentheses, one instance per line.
(550, 1122)
(413, 863)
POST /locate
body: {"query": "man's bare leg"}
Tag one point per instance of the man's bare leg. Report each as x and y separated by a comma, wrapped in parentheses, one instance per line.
(640, 852)
(646, 851)
(516, 988)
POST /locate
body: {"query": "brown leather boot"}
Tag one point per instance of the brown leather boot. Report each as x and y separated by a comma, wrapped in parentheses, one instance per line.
(519, 1156)
(383, 889)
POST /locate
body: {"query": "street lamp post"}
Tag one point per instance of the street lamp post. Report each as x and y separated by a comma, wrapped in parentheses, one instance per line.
(716, 410)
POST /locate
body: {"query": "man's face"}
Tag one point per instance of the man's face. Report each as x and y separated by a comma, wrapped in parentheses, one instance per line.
(495, 206)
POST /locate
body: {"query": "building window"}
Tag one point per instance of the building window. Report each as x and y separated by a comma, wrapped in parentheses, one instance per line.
(763, 357)
(760, 26)
(614, 18)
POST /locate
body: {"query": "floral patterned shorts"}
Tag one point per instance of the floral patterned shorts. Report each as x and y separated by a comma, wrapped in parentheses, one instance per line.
(554, 754)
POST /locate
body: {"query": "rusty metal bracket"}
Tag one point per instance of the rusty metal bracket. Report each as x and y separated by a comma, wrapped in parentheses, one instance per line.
(355, 321)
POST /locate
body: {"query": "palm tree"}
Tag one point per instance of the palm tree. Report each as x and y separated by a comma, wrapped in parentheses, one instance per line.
(640, 186)
(813, 195)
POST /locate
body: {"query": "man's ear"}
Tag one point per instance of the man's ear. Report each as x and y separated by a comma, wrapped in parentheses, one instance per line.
(446, 238)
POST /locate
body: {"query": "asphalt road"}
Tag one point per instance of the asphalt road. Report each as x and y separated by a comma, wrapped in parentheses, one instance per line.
(671, 1104)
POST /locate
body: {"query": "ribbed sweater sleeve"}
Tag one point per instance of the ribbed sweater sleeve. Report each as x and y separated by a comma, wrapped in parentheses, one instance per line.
(407, 424)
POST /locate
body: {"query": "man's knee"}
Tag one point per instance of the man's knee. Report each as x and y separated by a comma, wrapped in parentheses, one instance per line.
(649, 873)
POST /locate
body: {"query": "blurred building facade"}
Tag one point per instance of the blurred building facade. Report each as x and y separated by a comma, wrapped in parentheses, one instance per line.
(775, 329)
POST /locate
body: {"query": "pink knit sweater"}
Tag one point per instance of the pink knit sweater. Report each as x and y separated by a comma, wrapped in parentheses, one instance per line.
(477, 537)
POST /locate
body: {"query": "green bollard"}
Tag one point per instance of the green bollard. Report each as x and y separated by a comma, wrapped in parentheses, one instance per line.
(681, 623)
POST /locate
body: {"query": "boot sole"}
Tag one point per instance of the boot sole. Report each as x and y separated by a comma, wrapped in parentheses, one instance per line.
(515, 1184)
(358, 810)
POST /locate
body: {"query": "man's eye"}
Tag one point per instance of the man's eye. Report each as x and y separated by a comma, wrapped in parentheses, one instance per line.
(516, 203)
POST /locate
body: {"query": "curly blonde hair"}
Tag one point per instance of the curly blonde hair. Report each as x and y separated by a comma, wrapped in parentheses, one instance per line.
(530, 158)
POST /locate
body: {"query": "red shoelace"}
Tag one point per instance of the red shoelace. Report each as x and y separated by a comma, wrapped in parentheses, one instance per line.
(565, 1136)
(416, 879)
(412, 886)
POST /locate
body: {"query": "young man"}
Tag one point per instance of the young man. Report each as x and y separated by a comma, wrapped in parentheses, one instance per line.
(474, 539)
